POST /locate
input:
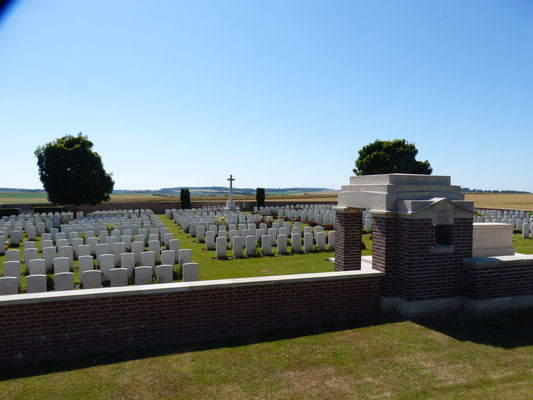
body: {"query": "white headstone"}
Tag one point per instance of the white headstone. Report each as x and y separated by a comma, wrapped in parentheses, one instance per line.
(37, 267)
(64, 281)
(143, 275)
(184, 256)
(12, 269)
(164, 273)
(119, 276)
(36, 283)
(191, 272)
(296, 239)
(250, 245)
(92, 279)
(282, 243)
(8, 285)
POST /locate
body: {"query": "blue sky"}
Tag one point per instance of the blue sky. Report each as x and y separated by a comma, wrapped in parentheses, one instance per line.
(277, 93)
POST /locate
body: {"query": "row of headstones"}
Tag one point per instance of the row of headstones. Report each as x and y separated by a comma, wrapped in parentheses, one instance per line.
(72, 231)
(92, 279)
(517, 218)
(106, 261)
(244, 237)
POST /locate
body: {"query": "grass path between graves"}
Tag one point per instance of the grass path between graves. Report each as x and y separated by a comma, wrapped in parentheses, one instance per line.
(447, 357)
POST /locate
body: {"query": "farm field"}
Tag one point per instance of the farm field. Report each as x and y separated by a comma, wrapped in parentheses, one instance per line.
(485, 200)
(502, 200)
(40, 198)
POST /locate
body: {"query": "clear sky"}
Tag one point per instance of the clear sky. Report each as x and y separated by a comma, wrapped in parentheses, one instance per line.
(277, 93)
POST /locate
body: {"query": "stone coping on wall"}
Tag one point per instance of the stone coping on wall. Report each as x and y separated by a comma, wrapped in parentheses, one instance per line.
(162, 288)
(481, 262)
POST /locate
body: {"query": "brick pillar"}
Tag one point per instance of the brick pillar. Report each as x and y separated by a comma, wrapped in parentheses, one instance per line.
(348, 235)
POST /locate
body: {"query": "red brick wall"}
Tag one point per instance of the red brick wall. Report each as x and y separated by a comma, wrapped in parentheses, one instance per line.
(385, 251)
(401, 248)
(52, 329)
(502, 280)
(348, 236)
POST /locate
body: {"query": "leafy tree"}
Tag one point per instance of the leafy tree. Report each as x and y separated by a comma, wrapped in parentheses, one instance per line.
(385, 157)
(260, 197)
(72, 173)
(185, 198)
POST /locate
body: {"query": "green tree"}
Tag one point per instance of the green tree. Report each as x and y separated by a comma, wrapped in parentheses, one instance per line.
(385, 157)
(185, 198)
(260, 197)
(72, 173)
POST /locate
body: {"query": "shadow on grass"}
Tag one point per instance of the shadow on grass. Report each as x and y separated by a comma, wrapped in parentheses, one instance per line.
(506, 331)
(78, 361)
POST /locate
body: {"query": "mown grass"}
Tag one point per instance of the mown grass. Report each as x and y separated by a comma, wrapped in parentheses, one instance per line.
(447, 357)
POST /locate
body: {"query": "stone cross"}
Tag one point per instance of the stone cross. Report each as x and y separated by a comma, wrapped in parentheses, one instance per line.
(231, 179)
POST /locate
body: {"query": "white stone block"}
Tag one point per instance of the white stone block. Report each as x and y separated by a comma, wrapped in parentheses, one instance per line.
(13, 255)
(282, 243)
(308, 242)
(331, 240)
(49, 253)
(37, 266)
(36, 283)
(118, 249)
(492, 239)
(191, 272)
(174, 244)
(30, 244)
(148, 260)
(91, 278)
(167, 238)
(155, 246)
(143, 275)
(107, 262)
(168, 257)
(15, 237)
(64, 281)
(266, 244)
(127, 261)
(296, 239)
(30, 254)
(119, 276)
(61, 264)
(8, 285)
(164, 273)
(210, 240)
(85, 263)
(251, 241)
(221, 246)
(237, 246)
(66, 251)
(84, 250)
(321, 240)
(12, 269)
(184, 256)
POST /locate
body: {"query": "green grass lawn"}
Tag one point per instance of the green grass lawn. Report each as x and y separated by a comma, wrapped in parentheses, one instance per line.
(449, 357)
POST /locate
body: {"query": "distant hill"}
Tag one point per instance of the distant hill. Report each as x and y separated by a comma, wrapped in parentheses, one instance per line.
(468, 190)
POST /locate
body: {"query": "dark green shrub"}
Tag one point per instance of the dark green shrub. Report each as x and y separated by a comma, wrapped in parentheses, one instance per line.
(6, 212)
(178, 273)
(185, 199)
(50, 282)
(260, 197)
